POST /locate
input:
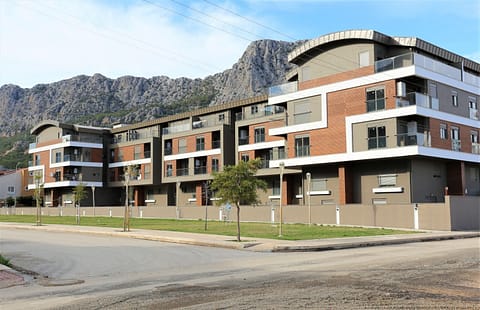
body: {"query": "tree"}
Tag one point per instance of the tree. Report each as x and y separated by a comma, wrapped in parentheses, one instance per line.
(238, 184)
(79, 192)
(38, 178)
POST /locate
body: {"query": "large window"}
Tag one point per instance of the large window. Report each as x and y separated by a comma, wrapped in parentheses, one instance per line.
(146, 171)
(375, 99)
(377, 137)
(302, 146)
(259, 134)
(137, 152)
(169, 170)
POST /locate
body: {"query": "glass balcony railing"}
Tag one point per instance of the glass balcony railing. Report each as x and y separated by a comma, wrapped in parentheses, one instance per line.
(420, 139)
(456, 145)
(200, 170)
(266, 111)
(419, 100)
(428, 63)
(282, 89)
(476, 148)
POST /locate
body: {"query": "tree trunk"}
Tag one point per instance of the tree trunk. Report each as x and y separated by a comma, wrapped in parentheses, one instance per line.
(238, 222)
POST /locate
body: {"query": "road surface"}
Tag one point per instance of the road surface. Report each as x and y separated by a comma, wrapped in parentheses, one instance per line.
(78, 271)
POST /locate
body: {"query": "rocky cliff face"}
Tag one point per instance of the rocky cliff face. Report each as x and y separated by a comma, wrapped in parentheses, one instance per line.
(100, 101)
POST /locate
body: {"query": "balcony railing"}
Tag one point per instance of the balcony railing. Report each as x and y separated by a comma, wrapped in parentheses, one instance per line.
(418, 99)
(266, 111)
(456, 145)
(474, 114)
(69, 138)
(243, 140)
(182, 171)
(420, 139)
(200, 170)
(32, 163)
(282, 89)
(428, 63)
(476, 148)
(216, 144)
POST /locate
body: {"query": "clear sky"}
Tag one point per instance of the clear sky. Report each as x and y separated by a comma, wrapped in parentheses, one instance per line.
(43, 41)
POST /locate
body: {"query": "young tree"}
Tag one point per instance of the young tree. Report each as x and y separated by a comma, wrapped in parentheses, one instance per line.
(79, 192)
(238, 184)
(38, 194)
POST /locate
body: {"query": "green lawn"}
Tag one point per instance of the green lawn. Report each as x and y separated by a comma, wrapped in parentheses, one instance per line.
(253, 230)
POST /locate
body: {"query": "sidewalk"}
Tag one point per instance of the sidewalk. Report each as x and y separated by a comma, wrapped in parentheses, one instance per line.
(250, 244)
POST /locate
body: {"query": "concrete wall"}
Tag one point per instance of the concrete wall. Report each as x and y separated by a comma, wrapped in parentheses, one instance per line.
(457, 213)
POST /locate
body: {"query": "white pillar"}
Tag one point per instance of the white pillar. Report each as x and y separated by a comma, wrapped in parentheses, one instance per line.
(337, 211)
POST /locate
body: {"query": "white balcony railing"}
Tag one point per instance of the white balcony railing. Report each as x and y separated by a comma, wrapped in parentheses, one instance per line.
(476, 148)
(456, 145)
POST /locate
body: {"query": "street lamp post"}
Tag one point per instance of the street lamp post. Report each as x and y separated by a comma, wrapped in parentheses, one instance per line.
(282, 166)
(309, 180)
(93, 199)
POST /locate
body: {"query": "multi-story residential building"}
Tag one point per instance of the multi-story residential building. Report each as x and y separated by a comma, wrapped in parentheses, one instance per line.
(365, 118)
(379, 119)
(65, 156)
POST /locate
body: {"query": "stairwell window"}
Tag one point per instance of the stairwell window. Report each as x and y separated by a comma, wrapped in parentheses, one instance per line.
(377, 137)
(375, 99)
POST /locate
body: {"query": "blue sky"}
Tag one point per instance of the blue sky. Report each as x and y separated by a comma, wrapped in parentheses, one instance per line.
(43, 41)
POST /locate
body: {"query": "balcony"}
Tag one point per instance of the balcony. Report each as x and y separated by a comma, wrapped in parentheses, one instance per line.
(266, 111)
(243, 140)
(200, 170)
(132, 136)
(430, 64)
(216, 144)
(418, 99)
(182, 172)
(70, 138)
(283, 89)
(407, 139)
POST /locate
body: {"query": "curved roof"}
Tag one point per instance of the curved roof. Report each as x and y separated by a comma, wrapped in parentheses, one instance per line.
(316, 46)
(79, 128)
(43, 125)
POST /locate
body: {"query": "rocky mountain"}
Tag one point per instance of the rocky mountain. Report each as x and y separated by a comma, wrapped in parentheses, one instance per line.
(100, 101)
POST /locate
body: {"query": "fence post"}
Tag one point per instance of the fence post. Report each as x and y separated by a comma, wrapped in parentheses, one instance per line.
(416, 226)
(337, 211)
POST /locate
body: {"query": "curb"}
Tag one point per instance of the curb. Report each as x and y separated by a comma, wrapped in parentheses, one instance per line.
(341, 246)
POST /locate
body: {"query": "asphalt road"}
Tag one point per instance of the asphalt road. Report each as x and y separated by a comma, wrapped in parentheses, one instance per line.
(75, 271)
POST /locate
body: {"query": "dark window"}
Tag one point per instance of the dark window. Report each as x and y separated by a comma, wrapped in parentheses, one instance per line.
(302, 146)
(200, 143)
(259, 135)
(375, 100)
(377, 137)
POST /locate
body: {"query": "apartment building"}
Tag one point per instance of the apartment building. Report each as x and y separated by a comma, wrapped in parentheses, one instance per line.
(364, 118)
(65, 156)
(379, 119)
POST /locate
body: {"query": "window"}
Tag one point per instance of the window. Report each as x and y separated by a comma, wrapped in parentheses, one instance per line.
(455, 133)
(58, 157)
(364, 58)
(137, 151)
(276, 187)
(168, 147)
(387, 180)
(375, 99)
(443, 132)
(254, 109)
(472, 103)
(302, 146)
(259, 134)
(146, 171)
(474, 136)
(215, 164)
(377, 137)
(454, 99)
(245, 157)
(221, 117)
(318, 185)
(182, 146)
(37, 160)
(149, 195)
(200, 143)
(169, 170)
(120, 155)
(302, 112)
(11, 190)
(432, 90)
